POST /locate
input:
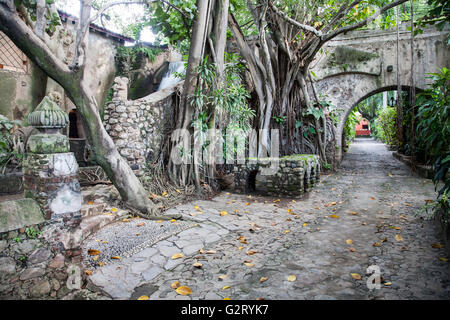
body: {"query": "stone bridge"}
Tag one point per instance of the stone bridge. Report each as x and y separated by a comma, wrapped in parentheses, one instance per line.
(359, 64)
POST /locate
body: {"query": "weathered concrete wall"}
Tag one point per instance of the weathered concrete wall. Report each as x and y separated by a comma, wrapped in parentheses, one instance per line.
(355, 66)
(21, 92)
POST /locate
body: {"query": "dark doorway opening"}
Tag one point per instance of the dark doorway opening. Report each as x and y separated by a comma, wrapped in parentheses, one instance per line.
(73, 124)
(251, 181)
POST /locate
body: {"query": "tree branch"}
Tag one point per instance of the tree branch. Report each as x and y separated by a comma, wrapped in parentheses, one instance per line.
(39, 27)
(30, 44)
(116, 3)
(295, 23)
(362, 23)
(343, 10)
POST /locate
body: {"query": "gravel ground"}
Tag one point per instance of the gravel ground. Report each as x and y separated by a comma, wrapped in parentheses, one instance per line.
(125, 238)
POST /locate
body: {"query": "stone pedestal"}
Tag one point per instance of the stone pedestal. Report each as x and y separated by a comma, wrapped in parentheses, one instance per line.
(49, 168)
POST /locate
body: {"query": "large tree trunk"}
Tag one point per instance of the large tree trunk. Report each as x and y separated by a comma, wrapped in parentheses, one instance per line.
(178, 171)
(104, 151)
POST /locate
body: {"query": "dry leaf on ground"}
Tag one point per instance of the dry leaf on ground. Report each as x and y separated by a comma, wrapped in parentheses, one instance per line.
(184, 290)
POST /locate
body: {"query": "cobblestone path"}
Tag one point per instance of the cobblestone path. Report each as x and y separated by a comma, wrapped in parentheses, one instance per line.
(364, 215)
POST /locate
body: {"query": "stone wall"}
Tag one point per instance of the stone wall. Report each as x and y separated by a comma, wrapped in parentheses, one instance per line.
(288, 176)
(39, 259)
(137, 126)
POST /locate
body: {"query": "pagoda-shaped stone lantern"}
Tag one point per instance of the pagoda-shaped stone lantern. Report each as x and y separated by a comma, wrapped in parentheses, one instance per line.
(49, 168)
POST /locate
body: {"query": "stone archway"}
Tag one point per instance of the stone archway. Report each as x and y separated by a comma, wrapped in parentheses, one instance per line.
(362, 63)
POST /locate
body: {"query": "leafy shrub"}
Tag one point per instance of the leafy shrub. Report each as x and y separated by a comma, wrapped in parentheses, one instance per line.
(350, 127)
(385, 126)
(433, 131)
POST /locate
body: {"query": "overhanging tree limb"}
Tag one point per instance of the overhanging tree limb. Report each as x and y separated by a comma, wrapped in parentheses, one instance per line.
(295, 23)
(362, 23)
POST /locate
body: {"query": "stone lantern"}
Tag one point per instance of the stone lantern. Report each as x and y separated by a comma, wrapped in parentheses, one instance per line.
(49, 168)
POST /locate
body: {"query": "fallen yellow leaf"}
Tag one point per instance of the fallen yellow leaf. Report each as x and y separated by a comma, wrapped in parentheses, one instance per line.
(175, 284)
(353, 213)
(335, 216)
(240, 248)
(263, 279)
(436, 245)
(349, 241)
(226, 298)
(398, 238)
(88, 272)
(223, 277)
(143, 298)
(197, 265)
(90, 203)
(251, 252)
(177, 256)
(93, 252)
(115, 257)
(183, 290)
(376, 244)
(141, 224)
(114, 210)
(248, 264)
(443, 259)
(352, 249)
(223, 213)
(225, 287)
(387, 283)
(287, 231)
(159, 221)
(356, 276)
(372, 198)
(292, 278)
(305, 224)
(101, 264)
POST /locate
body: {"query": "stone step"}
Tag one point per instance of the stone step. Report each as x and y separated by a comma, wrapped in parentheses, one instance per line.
(91, 224)
(89, 210)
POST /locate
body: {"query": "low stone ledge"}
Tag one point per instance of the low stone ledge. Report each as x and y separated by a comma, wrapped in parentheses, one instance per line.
(422, 171)
(289, 176)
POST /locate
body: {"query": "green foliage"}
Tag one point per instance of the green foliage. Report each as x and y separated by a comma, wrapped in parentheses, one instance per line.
(229, 98)
(52, 20)
(386, 127)
(11, 147)
(437, 13)
(279, 119)
(350, 127)
(128, 58)
(172, 21)
(32, 233)
(433, 131)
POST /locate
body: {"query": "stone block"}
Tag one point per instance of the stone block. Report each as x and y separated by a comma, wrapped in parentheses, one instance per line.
(48, 143)
(18, 214)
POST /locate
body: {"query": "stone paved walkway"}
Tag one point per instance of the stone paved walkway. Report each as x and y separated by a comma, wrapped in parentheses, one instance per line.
(365, 214)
